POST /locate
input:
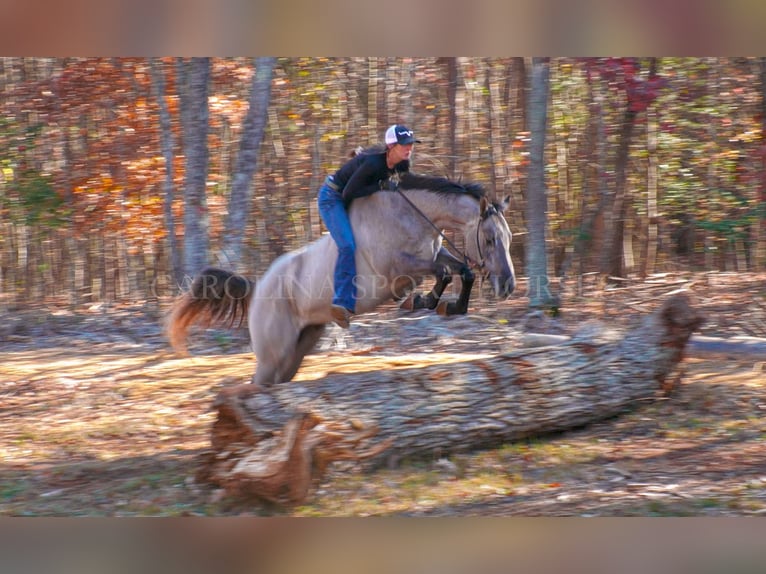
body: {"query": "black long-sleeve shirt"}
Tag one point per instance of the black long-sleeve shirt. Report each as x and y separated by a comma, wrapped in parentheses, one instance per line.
(365, 174)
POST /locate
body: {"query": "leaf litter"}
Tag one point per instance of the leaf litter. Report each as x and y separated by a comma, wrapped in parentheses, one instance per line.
(99, 418)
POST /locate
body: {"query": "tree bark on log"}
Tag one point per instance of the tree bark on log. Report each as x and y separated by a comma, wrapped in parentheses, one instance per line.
(274, 443)
(739, 347)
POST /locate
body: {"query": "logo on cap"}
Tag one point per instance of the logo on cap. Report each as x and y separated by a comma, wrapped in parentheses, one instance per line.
(401, 135)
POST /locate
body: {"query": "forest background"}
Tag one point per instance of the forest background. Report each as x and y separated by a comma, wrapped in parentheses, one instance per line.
(121, 177)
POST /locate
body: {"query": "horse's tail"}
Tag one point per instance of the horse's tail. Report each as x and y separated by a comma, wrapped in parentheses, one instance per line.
(215, 297)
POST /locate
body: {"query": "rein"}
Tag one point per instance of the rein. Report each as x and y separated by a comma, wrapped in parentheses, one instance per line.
(465, 257)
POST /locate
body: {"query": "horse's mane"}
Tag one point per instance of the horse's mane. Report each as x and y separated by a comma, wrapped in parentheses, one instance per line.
(437, 184)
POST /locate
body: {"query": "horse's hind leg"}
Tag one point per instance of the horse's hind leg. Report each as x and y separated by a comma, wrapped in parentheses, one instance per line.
(307, 340)
(280, 352)
(274, 338)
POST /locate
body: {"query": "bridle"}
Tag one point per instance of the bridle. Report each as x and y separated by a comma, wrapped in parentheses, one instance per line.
(491, 210)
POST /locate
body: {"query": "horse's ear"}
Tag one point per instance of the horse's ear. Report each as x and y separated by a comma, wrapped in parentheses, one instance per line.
(483, 204)
(505, 203)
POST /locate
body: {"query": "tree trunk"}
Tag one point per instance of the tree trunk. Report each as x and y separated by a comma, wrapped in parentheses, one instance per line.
(166, 136)
(538, 289)
(592, 187)
(356, 90)
(613, 262)
(612, 259)
(652, 213)
(273, 444)
(193, 83)
(373, 96)
(515, 99)
(247, 160)
(760, 242)
(495, 128)
(516, 94)
(452, 79)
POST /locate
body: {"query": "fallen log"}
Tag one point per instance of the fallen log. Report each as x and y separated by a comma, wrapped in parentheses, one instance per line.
(736, 347)
(274, 443)
(745, 348)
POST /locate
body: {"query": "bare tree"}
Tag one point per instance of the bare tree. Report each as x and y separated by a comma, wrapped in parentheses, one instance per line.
(452, 79)
(247, 160)
(612, 263)
(166, 135)
(193, 83)
(760, 249)
(536, 259)
(652, 211)
(613, 255)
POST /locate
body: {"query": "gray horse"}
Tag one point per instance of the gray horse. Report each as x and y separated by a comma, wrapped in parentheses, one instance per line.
(399, 243)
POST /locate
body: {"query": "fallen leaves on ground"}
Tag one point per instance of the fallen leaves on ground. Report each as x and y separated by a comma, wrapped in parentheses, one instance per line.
(99, 418)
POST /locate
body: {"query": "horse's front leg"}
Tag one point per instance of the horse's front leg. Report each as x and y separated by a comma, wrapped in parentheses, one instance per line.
(459, 307)
(431, 300)
(443, 268)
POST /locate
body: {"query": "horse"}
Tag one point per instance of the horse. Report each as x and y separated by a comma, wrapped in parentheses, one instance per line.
(399, 242)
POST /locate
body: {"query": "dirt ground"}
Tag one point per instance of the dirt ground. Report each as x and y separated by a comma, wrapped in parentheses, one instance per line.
(99, 418)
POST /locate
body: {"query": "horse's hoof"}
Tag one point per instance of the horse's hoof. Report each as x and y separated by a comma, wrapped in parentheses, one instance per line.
(449, 308)
(416, 301)
(409, 303)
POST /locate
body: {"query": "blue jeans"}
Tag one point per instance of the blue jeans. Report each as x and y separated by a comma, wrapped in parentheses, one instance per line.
(333, 212)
